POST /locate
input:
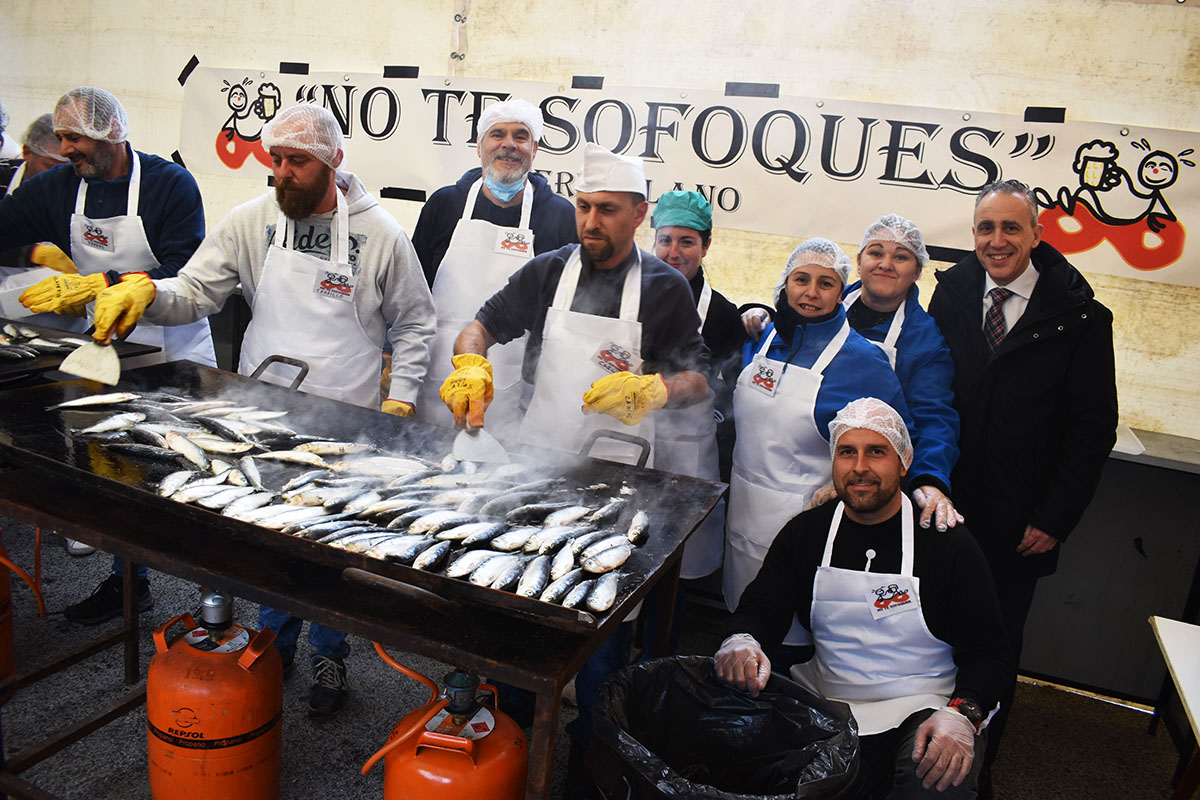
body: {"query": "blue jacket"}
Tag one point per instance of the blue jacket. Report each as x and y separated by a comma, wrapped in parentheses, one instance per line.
(860, 369)
(926, 372)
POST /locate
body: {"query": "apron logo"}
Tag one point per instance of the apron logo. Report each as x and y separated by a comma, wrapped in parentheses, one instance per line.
(95, 236)
(765, 378)
(515, 240)
(614, 358)
(890, 596)
(334, 284)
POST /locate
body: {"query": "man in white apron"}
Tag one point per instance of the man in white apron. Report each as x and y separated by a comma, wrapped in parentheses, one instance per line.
(472, 235)
(116, 211)
(148, 218)
(905, 621)
(330, 276)
(614, 336)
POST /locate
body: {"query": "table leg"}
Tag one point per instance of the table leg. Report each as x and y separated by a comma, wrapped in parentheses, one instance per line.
(668, 589)
(129, 581)
(541, 749)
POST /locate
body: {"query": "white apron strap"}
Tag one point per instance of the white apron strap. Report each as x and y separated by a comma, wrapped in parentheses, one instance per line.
(906, 535)
(135, 188)
(897, 318)
(831, 349)
(339, 232)
(631, 292)
(702, 306)
(526, 201)
(16, 179)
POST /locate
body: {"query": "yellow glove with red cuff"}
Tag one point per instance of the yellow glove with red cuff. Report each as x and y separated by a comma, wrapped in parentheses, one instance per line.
(626, 396)
(468, 390)
(61, 292)
(51, 257)
(398, 408)
(120, 306)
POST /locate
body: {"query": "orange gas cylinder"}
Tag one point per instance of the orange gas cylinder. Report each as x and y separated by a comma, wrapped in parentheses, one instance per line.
(7, 663)
(453, 747)
(214, 700)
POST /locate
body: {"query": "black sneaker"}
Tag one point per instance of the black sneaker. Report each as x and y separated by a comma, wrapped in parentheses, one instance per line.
(105, 602)
(329, 686)
(288, 659)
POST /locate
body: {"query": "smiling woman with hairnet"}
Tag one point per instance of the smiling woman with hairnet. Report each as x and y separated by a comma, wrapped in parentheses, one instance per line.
(807, 365)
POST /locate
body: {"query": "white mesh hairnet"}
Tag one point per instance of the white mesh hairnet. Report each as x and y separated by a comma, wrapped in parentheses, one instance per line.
(92, 112)
(40, 138)
(873, 414)
(820, 252)
(895, 228)
(306, 127)
(516, 110)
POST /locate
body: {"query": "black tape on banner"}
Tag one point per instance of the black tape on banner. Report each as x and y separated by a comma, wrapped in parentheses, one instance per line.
(740, 89)
(950, 255)
(271, 181)
(293, 67)
(1045, 114)
(400, 72)
(178, 159)
(397, 193)
(587, 82)
(187, 70)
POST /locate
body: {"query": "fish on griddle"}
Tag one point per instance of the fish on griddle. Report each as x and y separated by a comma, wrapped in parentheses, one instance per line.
(432, 557)
(535, 578)
(111, 398)
(117, 422)
(402, 549)
(533, 512)
(464, 564)
(604, 592)
(186, 448)
(608, 560)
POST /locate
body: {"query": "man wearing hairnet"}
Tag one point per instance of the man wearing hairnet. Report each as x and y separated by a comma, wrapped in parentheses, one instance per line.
(330, 276)
(472, 235)
(8, 148)
(904, 619)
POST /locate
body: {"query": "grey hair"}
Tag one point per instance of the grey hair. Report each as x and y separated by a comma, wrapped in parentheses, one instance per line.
(1011, 187)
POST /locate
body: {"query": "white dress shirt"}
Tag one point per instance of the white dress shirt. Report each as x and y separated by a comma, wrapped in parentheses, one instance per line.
(1014, 306)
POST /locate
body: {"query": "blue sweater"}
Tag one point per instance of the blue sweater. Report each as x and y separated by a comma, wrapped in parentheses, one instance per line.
(860, 369)
(926, 373)
(169, 205)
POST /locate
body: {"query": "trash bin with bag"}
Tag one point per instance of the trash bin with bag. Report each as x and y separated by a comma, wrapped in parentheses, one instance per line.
(669, 728)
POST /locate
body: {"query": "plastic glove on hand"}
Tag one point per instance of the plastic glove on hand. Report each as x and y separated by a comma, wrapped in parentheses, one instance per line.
(119, 307)
(51, 257)
(936, 508)
(467, 392)
(944, 749)
(398, 408)
(741, 662)
(61, 291)
(626, 396)
(754, 320)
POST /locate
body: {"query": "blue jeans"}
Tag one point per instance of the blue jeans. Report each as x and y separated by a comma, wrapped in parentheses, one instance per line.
(609, 658)
(119, 564)
(325, 641)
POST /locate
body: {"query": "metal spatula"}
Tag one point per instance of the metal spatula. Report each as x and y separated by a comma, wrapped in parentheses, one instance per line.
(476, 444)
(94, 361)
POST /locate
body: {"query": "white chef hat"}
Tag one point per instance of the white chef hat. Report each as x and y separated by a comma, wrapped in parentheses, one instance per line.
(604, 171)
(872, 414)
(92, 112)
(895, 228)
(820, 252)
(516, 110)
(310, 128)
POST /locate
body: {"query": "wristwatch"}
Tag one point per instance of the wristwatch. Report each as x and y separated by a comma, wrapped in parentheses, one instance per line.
(969, 709)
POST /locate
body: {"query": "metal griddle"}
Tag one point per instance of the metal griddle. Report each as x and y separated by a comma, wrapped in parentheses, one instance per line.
(34, 438)
(48, 362)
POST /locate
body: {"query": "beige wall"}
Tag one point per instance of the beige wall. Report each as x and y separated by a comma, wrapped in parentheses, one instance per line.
(1105, 60)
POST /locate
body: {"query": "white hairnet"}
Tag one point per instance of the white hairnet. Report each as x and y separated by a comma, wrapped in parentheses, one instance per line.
(872, 414)
(92, 112)
(307, 127)
(516, 110)
(40, 138)
(895, 228)
(818, 251)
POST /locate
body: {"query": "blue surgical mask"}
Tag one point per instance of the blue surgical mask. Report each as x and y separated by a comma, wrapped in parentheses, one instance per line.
(503, 191)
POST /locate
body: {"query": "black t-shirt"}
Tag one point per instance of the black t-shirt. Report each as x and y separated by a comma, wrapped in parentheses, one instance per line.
(671, 342)
(958, 598)
(552, 219)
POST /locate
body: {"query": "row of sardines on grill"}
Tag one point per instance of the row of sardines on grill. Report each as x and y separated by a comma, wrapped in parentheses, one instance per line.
(22, 343)
(502, 527)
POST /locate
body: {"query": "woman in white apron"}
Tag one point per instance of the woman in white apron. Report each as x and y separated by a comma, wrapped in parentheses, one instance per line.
(807, 366)
(119, 244)
(477, 264)
(884, 308)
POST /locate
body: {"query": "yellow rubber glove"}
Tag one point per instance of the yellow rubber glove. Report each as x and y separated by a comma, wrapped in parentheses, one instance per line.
(398, 408)
(60, 291)
(48, 255)
(120, 306)
(468, 390)
(626, 396)
(385, 375)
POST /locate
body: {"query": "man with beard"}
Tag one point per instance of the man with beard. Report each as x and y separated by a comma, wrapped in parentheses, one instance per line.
(474, 234)
(904, 619)
(330, 277)
(117, 212)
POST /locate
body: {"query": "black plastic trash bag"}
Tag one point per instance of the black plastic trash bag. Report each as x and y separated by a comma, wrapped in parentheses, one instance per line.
(670, 728)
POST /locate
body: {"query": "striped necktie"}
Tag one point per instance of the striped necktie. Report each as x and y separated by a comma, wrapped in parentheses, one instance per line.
(993, 321)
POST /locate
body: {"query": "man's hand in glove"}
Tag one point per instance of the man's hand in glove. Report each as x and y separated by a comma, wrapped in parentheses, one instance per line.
(944, 749)
(741, 662)
(398, 408)
(49, 256)
(468, 390)
(59, 293)
(936, 508)
(626, 396)
(120, 306)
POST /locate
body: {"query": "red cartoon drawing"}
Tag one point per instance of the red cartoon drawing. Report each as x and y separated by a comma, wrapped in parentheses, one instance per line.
(238, 138)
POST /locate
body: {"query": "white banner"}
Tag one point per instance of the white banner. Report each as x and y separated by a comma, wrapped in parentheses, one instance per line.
(1116, 200)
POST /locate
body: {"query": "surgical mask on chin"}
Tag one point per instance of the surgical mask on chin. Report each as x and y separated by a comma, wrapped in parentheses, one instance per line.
(504, 191)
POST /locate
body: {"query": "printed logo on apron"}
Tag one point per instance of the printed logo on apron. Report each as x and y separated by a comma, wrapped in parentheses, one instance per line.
(334, 283)
(613, 358)
(95, 236)
(514, 242)
(764, 378)
(889, 599)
